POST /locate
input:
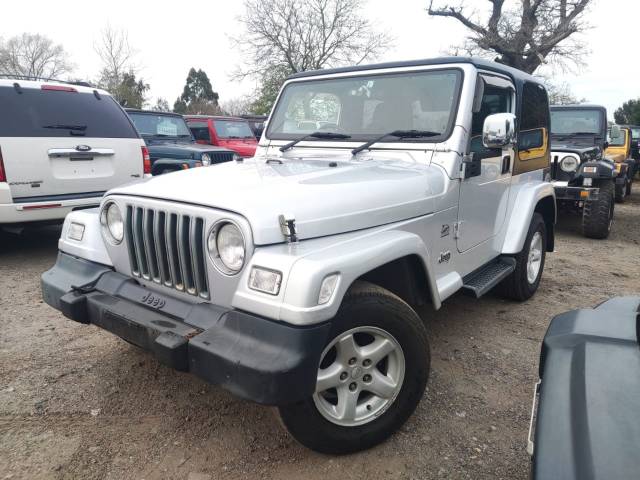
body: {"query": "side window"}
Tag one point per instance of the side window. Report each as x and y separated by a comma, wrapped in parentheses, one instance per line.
(534, 122)
(494, 100)
(200, 131)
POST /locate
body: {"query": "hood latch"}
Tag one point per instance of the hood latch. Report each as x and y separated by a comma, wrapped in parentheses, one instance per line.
(288, 227)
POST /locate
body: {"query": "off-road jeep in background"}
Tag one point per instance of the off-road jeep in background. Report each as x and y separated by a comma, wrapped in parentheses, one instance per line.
(171, 144)
(291, 278)
(584, 180)
(619, 151)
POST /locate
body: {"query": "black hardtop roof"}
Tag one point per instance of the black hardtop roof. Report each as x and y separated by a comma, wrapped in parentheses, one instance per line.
(481, 63)
(151, 112)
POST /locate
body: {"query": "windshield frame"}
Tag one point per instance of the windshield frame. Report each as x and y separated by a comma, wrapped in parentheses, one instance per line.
(601, 113)
(455, 106)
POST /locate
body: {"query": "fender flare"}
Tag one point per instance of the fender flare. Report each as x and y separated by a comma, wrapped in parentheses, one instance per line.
(528, 198)
(350, 259)
(174, 163)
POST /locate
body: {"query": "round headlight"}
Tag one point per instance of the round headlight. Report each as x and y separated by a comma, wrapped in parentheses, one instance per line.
(237, 158)
(112, 223)
(226, 247)
(205, 159)
(569, 164)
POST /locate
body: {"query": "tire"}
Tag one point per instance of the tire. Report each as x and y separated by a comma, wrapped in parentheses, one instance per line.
(597, 215)
(621, 192)
(629, 184)
(365, 306)
(518, 286)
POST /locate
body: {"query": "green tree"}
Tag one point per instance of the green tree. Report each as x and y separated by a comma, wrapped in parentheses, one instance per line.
(269, 88)
(197, 96)
(628, 113)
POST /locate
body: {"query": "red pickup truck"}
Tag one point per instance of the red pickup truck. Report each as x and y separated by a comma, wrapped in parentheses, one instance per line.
(228, 132)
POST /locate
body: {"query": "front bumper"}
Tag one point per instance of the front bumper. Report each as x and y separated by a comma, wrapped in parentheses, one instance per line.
(577, 194)
(255, 358)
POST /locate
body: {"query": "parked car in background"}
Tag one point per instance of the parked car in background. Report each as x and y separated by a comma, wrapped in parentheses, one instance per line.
(257, 123)
(62, 146)
(583, 178)
(635, 143)
(171, 144)
(228, 132)
(585, 409)
(619, 151)
(292, 278)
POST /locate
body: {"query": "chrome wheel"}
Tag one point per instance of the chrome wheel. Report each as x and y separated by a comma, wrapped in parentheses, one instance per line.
(360, 375)
(535, 258)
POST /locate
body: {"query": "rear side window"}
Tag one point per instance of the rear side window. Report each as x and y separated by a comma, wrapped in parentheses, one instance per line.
(50, 113)
(534, 124)
(200, 130)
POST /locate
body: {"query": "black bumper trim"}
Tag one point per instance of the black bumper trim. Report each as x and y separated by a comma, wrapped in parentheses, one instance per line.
(575, 193)
(258, 359)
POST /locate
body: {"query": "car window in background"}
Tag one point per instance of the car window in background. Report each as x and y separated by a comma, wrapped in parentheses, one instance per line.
(618, 142)
(635, 133)
(576, 120)
(41, 113)
(160, 125)
(368, 106)
(200, 130)
(232, 129)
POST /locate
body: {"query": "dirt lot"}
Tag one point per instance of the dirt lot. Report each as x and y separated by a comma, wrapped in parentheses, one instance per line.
(76, 402)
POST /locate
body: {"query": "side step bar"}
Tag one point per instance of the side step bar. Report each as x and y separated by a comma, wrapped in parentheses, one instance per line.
(485, 278)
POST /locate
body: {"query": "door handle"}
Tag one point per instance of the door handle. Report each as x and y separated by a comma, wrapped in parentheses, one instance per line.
(506, 164)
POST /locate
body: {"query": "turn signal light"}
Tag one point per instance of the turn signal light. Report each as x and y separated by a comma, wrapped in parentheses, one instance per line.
(146, 161)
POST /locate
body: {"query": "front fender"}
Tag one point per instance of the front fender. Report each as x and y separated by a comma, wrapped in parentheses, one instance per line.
(528, 196)
(91, 247)
(604, 169)
(173, 164)
(350, 258)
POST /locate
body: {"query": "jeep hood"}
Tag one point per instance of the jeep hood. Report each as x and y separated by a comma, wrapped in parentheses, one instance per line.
(182, 149)
(325, 196)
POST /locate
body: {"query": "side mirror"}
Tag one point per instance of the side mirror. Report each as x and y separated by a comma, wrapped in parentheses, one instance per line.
(499, 130)
(615, 132)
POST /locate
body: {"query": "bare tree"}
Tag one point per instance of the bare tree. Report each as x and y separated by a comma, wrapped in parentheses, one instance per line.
(119, 69)
(33, 55)
(561, 93)
(524, 37)
(236, 106)
(306, 35)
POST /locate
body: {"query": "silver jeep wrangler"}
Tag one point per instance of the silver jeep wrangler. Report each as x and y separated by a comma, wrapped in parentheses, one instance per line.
(291, 278)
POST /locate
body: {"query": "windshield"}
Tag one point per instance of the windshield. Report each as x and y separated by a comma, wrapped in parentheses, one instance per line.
(567, 121)
(51, 113)
(233, 129)
(160, 125)
(366, 107)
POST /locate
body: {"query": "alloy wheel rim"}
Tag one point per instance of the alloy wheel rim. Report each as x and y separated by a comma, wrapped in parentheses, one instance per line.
(534, 261)
(361, 373)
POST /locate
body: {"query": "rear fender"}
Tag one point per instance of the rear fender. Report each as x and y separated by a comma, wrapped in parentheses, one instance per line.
(531, 198)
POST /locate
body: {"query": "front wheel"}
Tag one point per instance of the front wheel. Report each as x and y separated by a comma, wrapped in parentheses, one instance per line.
(597, 215)
(371, 377)
(525, 279)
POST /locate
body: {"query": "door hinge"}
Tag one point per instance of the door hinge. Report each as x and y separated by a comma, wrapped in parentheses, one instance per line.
(456, 230)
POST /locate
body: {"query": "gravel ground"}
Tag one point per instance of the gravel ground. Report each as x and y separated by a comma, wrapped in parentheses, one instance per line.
(77, 402)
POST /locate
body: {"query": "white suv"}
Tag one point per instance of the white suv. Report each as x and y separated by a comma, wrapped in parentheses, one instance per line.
(61, 147)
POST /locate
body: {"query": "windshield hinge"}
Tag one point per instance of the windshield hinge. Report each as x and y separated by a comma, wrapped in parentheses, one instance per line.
(288, 227)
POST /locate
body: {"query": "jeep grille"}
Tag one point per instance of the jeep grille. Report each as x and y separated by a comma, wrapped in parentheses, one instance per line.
(168, 249)
(219, 157)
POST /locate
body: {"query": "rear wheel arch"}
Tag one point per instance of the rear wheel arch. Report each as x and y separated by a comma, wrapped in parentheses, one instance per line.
(547, 208)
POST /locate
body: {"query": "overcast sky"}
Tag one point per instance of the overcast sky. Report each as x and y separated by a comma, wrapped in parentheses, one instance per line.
(171, 37)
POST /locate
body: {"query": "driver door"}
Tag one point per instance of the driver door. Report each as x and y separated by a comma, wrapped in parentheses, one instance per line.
(483, 198)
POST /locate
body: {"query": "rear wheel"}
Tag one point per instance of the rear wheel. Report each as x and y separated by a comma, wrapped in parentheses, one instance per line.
(525, 279)
(597, 215)
(621, 191)
(629, 184)
(372, 375)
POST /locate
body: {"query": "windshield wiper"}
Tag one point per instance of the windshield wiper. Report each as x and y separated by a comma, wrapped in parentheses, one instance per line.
(66, 127)
(397, 134)
(322, 135)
